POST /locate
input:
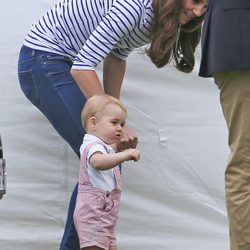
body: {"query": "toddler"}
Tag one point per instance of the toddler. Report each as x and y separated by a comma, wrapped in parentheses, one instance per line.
(99, 190)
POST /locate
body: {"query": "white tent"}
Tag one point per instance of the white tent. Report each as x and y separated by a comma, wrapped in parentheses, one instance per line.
(173, 198)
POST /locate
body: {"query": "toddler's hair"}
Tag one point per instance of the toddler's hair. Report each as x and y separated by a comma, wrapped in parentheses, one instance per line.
(96, 104)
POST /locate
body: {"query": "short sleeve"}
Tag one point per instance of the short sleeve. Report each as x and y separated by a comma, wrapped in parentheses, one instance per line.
(96, 148)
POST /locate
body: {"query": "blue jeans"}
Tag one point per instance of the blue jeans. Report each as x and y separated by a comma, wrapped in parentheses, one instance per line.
(46, 81)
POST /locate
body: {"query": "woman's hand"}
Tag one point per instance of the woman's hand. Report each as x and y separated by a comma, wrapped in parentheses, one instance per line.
(128, 140)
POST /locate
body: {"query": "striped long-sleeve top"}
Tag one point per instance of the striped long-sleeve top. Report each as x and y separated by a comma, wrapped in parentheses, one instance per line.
(87, 30)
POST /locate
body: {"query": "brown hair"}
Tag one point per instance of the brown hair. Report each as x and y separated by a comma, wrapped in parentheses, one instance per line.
(169, 40)
(96, 104)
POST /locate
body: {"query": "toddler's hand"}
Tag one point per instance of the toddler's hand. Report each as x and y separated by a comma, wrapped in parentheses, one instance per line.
(133, 154)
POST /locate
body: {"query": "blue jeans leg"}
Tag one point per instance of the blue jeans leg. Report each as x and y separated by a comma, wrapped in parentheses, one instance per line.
(46, 81)
(70, 239)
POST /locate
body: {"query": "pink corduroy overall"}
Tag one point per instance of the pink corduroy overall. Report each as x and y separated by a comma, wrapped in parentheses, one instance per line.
(96, 210)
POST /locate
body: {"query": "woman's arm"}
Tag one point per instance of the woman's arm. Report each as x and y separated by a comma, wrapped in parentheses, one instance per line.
(88, 82)
(113, 74)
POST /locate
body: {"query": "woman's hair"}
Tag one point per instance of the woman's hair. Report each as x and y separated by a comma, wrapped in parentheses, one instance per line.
(96, 104)
(169, 39)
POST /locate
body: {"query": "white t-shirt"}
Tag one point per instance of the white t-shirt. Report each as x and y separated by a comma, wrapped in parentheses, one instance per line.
(103, 179)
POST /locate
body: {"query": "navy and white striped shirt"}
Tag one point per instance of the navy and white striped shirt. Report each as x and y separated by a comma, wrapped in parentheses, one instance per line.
(88, 30)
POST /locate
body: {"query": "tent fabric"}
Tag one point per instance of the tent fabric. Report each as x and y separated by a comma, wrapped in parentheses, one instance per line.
(173, 198)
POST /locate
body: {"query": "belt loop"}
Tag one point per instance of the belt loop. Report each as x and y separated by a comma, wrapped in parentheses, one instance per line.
(33, 52)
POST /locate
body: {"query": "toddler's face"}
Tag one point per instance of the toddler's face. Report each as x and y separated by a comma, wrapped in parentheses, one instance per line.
(110, 123)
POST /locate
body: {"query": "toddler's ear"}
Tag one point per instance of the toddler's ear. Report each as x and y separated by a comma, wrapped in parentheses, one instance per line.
(92, 123)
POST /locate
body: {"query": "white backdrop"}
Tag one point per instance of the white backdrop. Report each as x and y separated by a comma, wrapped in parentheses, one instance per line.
(173, 198)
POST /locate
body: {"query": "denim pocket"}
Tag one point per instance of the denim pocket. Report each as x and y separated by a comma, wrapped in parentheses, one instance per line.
(51, 58)
(28, 85)
(58, 68)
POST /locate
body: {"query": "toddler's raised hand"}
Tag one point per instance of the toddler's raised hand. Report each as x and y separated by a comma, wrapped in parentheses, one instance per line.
(133, 154)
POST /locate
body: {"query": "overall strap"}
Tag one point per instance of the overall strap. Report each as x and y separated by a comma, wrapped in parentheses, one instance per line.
(117, 173)
(83, 176)
(3, 174)
(1, 149)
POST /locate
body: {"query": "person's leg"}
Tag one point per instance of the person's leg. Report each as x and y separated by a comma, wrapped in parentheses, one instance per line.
(70, 240)
(235, 100)
(232, 242)
(46, 81)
